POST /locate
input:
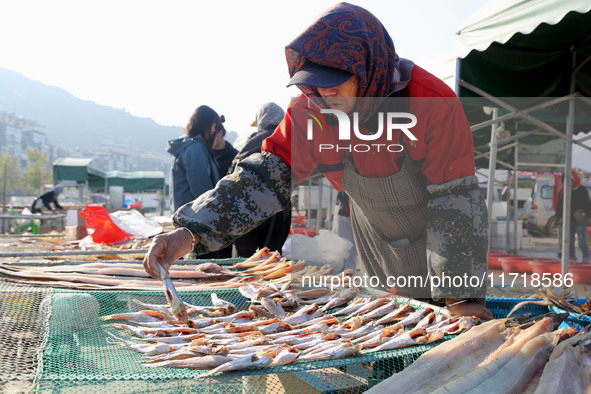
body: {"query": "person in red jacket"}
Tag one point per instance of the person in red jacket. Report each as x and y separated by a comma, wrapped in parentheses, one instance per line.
(580, 208)
(389, 134)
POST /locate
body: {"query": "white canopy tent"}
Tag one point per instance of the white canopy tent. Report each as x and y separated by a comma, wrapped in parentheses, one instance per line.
(528, 48)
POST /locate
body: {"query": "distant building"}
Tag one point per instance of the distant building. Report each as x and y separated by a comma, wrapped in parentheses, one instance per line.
(19, 135)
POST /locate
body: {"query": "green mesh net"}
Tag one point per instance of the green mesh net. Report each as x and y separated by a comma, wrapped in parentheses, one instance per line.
(77, 357)
(53, 341)
(24, 312)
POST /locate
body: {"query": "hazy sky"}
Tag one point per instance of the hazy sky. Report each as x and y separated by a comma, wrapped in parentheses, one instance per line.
(162, 59)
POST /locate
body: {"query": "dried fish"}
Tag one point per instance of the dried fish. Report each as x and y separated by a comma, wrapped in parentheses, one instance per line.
(407, 338)
(344, 296)
(219, 303)
(304, 314)
(141, 316)
(396, 314)
(286, 356)
(352, 307)
(147, 349)
(275, 309)
(241, 363)
(177, 307)
(205, 362)
(334, 352)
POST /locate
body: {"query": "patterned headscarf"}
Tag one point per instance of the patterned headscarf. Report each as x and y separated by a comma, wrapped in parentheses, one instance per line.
(349, 38)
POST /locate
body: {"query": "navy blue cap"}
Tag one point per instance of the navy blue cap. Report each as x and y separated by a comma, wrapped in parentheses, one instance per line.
(320, 76)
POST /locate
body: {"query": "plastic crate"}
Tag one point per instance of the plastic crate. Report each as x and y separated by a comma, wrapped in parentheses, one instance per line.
(573, 319)
(500, 307)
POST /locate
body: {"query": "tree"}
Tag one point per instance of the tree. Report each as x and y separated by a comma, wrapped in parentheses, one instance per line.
(36, 169)
(11, 173)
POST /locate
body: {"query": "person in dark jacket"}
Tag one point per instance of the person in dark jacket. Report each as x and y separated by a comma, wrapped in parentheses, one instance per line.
(580, 208)
(274, 231)
(268, 116)
(194, 169)
(46, 199)
(223, 152)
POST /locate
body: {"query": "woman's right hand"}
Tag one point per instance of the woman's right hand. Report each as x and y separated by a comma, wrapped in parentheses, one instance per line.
(165, 249)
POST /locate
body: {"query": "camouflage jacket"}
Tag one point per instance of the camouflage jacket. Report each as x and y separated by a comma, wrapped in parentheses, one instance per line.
(258, 188)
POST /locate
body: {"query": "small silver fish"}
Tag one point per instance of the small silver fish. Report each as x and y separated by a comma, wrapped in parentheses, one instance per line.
(326, 319)
(145, 348)
(304, 314)
(414, 317)
(177, 339)
(147, 316)
(147, 332)
(219, 303)
(154, 307)
(238, 315)
(380, 337)
(176, 304)
(334, 352)
(343, 297)
(395, 314)
(253, 350)
(247, 344)
(370, 306)
(352, 307)
(286, 356)
(276, 327)
(326, 344)
(205, 362)
(241, 363)
(407, 338)
(381, 311)
(274, 308)
(249, 291)
(426, 321)
(188, 351)
(363, 330)
(298, 339)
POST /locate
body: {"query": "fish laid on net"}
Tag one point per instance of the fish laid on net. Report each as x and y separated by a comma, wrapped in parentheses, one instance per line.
(282, 326)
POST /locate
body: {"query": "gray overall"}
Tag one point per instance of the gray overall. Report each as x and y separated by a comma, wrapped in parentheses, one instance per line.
(389, 219)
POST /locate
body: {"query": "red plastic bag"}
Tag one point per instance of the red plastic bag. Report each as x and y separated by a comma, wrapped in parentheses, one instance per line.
(101, 228)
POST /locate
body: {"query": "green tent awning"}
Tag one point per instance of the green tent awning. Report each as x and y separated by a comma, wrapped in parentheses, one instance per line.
(525, 52)
(524, 48)
(136, 181)
(72, 169)
(81, 170)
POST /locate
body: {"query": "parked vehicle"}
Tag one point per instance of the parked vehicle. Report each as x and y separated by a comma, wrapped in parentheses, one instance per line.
(534, 202)
(499, 208)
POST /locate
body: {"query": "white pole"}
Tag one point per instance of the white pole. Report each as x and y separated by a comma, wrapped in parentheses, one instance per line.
(515, 202)
(492, 164)
(568, 156)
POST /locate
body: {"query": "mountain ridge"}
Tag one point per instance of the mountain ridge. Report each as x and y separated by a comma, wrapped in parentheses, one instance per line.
(65, 117)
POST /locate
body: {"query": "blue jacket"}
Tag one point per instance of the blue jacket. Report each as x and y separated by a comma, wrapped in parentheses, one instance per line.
(194, 170)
